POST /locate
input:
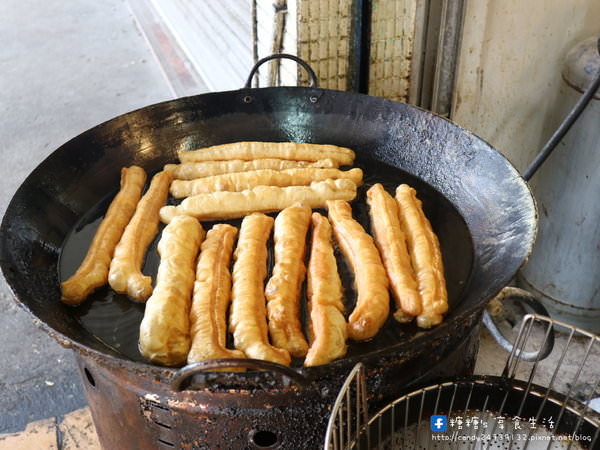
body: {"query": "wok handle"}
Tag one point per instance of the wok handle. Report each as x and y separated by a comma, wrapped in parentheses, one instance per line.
(531, 303)
(311, 73)
(183, 374)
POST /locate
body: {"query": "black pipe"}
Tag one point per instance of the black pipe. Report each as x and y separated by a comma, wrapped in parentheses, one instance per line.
(360, 46)
(564, 127)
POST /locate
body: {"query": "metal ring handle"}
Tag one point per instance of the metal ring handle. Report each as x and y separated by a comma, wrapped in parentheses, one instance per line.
(235, 363)
(530, 302)
(311, 73)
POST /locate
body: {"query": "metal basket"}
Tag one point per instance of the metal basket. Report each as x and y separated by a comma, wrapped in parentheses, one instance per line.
(539, 402)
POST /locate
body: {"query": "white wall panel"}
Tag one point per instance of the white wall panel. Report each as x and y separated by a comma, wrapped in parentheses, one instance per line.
(509, 75)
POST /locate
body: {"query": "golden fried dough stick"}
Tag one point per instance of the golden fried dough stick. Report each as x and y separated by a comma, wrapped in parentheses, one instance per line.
(191, 171)
(426, 257)
(248, 315)
(283, 289)
(229, 205)
(241, 181)
(125, 275)
(327, 327)
(212, 289)
(165, 328)
(281, 150)
(391, 243)
(93, 271)
(373, 301)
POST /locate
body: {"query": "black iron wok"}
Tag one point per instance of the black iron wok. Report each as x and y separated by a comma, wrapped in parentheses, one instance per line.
(479, 205)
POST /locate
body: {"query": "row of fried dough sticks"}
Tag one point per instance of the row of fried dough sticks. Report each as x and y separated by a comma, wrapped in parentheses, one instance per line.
(178, 326)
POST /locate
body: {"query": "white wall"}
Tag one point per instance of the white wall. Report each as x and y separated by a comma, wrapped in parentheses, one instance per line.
(509, 74)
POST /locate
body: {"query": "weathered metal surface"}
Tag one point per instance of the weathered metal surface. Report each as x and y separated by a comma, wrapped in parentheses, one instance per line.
(581, 64)
(485, 189)
(564, 268)
(450, 166)
(227, 416)
(529, 303)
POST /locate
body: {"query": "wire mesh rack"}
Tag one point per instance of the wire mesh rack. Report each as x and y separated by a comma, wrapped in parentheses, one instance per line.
(543, 399)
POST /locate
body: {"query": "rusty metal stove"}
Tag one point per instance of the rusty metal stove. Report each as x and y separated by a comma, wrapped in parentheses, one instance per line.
(139, 406)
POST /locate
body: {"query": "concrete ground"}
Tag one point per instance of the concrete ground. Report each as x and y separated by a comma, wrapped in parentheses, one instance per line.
(65, 67)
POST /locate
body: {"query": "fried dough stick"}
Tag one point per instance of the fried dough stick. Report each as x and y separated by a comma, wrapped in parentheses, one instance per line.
(283, 288)
(125, 275)
(191, 171)
(373, 301)
(212, 289)
(93, 271)
(328, 329)
(281, 150)
(236, 182)
(229, 205)
(248, 315)
(391, 243)
(426, 257)
(165, 328)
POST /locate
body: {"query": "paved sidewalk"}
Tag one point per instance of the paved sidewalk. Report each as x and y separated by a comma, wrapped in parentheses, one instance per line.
(75, 431)
(65, 66)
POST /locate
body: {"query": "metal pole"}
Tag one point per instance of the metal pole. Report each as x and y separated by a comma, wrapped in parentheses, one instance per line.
(564, 127)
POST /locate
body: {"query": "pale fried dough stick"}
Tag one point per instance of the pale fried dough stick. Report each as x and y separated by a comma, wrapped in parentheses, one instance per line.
(248, 315)
(426, 257)
(212, 289)
(327, 327)
(165, 328)
(236, 182)
(373, 302)
(391, 243)
(280, 150)
(283, 289)
(93, 271)
(229, 205)
(125, 275)
(191, 171)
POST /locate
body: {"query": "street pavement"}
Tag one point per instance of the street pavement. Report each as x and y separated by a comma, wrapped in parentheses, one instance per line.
(65, 66)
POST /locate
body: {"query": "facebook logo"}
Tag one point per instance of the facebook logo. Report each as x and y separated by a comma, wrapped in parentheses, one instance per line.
(439, 423)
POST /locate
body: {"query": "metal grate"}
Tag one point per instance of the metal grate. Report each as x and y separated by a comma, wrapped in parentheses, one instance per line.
(577, 380)
(533, 405)
(349, 413)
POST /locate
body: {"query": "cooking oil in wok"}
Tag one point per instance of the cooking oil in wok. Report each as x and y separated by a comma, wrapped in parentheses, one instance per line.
(114, 320)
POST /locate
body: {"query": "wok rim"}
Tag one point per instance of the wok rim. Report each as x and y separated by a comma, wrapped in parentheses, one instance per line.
(310, 372)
